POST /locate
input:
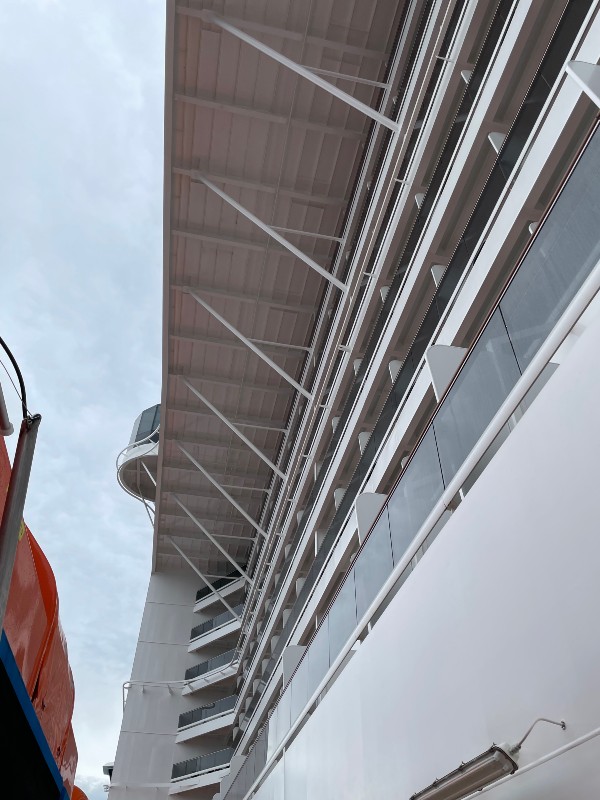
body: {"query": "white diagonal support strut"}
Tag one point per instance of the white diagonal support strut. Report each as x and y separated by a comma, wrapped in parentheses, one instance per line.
(213, 19)
(210, 537)
(223, 491)
(204, 578)
(308, 233)
(250, 345)
(343, 76)
(233, 428)
(272, 233)
(149, 473)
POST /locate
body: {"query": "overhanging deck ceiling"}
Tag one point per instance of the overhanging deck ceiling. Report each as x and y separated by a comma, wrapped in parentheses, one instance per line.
(288, 152)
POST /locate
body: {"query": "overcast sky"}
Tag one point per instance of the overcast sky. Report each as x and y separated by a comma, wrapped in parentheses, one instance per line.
(80, 253)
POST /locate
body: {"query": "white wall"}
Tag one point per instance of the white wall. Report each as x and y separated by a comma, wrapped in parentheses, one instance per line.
(495, 627)
(145, 752)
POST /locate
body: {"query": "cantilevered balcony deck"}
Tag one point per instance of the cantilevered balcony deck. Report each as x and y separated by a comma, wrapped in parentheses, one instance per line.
(137, 463)
(211, 671)
(225, 587)
(202, 770)
(218, 627)
(208, 718)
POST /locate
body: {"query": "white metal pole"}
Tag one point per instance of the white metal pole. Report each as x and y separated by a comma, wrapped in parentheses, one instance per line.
(210, 537)
(352, 78)
(149, 473)
(12, 517)
(272, 233)
(233, 428)
(251, 346)
(203, 577)
(308, 233)
(304, 72)
(6, 427)
(225, 494)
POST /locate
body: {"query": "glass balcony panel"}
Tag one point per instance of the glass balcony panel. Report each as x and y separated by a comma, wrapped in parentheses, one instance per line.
(283, 718)
(208, 711)
(416, 494)
(318, 657)
(216, 622)
(272, 732)
(374, 564)
(212, 663)
(260, 749)
(482, 386)
(565, 251)
(299, 687)
(342, 617)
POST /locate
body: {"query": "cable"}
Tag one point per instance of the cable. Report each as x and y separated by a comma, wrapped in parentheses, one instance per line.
(11, 380)
(23, 393)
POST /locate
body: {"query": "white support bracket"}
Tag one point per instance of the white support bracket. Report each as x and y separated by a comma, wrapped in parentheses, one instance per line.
(290, 659)
(256, 450)
(250, 345)
(394, 367)
(223, 491)
(211, 538)
(270, 231)
(437, 273)
(366, 507)
(304, 72)
(443, 361)
(204, 578)
(587, 77)
(345, 77)
(338, 496)
(496, 140)
(363, 440)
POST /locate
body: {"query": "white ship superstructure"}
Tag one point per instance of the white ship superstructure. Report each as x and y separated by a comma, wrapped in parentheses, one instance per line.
(373, 471)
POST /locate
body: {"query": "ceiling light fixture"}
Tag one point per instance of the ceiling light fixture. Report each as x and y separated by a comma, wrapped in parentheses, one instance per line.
(471, 776)
(481, 771)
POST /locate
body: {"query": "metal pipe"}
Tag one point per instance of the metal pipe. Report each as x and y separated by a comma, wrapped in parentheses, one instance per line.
(12, 518)
(6, 427)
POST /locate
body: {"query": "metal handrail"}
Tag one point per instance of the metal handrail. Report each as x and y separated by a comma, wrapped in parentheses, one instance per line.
(209, 665)
(215, 622)
(207, 711)
(192, 766)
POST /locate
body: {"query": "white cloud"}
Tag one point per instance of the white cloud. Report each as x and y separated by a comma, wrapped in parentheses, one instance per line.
(81, 209)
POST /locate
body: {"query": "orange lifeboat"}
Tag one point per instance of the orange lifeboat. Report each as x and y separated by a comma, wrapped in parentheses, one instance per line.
(35, 668)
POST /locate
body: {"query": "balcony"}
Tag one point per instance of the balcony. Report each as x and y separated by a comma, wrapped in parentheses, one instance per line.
(215, 718)
(208, 711)
(225, 586)
(552, 271)
(214, 669)
(511, 151)
(220, 583)
(219, 623)
(202, 764)
(137, 463)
